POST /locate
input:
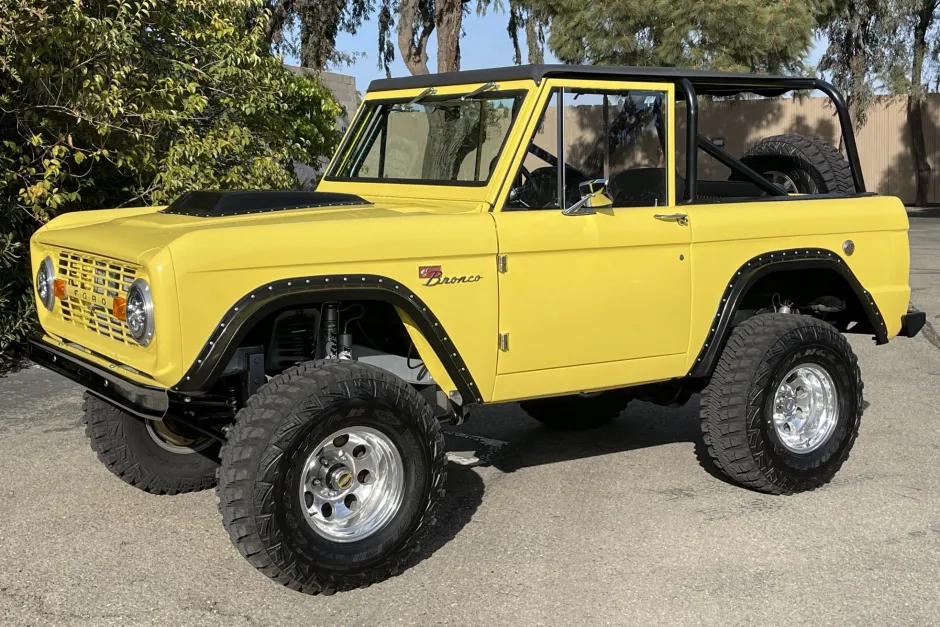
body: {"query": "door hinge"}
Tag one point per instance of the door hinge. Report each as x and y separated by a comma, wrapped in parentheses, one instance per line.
(504, 341)
(501, 263)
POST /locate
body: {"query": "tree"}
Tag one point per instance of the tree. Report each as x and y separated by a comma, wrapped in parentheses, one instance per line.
(913, 52)
(317, 22)
(107, 104)
(913, 66)
(755, 35)
(534, 23)
(419, 19)
(860, 35)
(922, 20)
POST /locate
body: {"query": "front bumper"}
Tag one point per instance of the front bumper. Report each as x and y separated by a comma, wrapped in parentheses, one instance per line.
(141, 400)
(912, 322)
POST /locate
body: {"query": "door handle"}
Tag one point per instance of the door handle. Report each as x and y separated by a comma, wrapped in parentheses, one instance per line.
(681, 218)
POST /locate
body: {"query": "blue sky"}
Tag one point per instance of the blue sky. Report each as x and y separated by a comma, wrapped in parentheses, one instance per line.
(486, 44)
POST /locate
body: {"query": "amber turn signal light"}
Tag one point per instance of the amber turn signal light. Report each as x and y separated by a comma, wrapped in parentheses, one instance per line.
(58, 288)
(119, 308)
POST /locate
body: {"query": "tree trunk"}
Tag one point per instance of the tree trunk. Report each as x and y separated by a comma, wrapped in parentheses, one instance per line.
(533, 38)
(449, 143)
(915, 103)
(412, 42)
(449, 18)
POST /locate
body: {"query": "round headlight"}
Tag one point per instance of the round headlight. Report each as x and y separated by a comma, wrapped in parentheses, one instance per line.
(45, 277)
(140, 312)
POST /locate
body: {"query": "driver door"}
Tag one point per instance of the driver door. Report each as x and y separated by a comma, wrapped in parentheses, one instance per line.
(603, 300)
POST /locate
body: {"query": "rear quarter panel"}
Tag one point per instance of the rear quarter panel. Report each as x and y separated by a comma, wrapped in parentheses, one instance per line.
(726, 236)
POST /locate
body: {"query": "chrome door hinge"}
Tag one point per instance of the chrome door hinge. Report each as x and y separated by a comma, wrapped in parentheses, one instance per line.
(504, 341)
(501, 263)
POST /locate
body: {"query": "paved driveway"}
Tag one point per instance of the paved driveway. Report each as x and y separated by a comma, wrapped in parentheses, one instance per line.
(625, 525)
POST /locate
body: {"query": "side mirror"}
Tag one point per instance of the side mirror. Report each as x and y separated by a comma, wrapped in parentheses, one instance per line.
(593, 195)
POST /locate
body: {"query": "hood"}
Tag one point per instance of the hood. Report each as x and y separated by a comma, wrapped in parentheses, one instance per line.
(131, 234)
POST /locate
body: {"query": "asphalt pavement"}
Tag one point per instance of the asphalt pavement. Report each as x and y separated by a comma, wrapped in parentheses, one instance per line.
(625, 525)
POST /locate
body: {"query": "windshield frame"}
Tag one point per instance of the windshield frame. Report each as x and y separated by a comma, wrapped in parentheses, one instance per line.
(350, 139)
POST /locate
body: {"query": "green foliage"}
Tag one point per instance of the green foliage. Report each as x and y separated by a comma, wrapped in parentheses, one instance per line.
(316, 23)
(110, 103)
(755, 35)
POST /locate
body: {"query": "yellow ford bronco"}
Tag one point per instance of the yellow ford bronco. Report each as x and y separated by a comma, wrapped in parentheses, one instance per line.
(536, 234)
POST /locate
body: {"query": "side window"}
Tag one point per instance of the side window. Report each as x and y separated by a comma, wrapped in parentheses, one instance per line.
(536, 183)
(618, 135)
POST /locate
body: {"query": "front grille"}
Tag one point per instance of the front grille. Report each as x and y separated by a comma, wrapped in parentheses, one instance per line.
(92, 283)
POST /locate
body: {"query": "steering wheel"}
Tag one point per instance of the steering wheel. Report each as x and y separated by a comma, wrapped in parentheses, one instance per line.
(538, 189)
(520, 192)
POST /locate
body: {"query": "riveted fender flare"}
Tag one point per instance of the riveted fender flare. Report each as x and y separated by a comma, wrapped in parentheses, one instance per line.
(768, 263)
(207, 368)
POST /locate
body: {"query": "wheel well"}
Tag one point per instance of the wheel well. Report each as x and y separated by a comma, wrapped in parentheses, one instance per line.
(820, 292)
(293, 334)
(293, 331)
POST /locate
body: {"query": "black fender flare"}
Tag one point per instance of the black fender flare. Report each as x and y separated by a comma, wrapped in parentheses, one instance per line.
(762, 265)
(207, 368)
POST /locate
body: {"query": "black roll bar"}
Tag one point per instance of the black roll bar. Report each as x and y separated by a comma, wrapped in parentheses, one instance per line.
(848, 133)
(735, 164)
(777, 86)
(691, 143)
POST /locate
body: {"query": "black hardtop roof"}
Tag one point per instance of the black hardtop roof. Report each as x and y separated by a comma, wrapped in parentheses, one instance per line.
(705, 81)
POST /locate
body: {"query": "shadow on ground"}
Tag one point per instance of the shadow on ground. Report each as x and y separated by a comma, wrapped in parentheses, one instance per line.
(932, 211)
(641, 426)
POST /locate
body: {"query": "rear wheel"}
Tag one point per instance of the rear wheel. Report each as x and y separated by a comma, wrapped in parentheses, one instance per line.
(160, 457)
(577, 411)
(331, 476)
(801, 165)
(783, 407)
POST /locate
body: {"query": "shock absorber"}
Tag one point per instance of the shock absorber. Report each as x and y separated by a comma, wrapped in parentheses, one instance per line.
(345, 345)
(328, 328)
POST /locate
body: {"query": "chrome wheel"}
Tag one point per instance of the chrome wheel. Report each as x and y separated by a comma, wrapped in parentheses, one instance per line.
(806, 408)
(175, 438)
(782, 180)
(352, 485)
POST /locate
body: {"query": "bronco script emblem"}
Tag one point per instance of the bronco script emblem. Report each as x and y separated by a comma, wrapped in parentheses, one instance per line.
(433, 275)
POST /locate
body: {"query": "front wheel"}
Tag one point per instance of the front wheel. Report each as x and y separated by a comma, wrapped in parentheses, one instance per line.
(783, 407)
(331, 476)
(160, 457)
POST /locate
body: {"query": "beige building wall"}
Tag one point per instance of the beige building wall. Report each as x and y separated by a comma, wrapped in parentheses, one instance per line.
(883, 143)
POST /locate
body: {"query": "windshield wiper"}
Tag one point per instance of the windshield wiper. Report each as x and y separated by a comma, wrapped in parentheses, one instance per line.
(479, 90)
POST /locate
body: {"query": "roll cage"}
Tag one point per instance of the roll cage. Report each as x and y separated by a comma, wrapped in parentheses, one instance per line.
(690, 84)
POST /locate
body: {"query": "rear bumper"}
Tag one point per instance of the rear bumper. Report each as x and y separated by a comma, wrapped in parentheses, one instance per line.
(912, 322)
(141, 400)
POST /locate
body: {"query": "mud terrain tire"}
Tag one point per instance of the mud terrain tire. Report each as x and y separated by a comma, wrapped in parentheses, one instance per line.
(263, 494)
(126, 447)
(739, 403)
(813, 165)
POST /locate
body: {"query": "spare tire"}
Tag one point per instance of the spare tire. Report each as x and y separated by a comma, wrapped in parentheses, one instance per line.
(801, 165)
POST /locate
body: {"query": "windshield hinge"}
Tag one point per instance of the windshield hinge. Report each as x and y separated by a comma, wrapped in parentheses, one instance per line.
(430, 91)
(479, 90)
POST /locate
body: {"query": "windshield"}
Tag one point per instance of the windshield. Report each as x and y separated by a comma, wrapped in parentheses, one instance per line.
(454, 139)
